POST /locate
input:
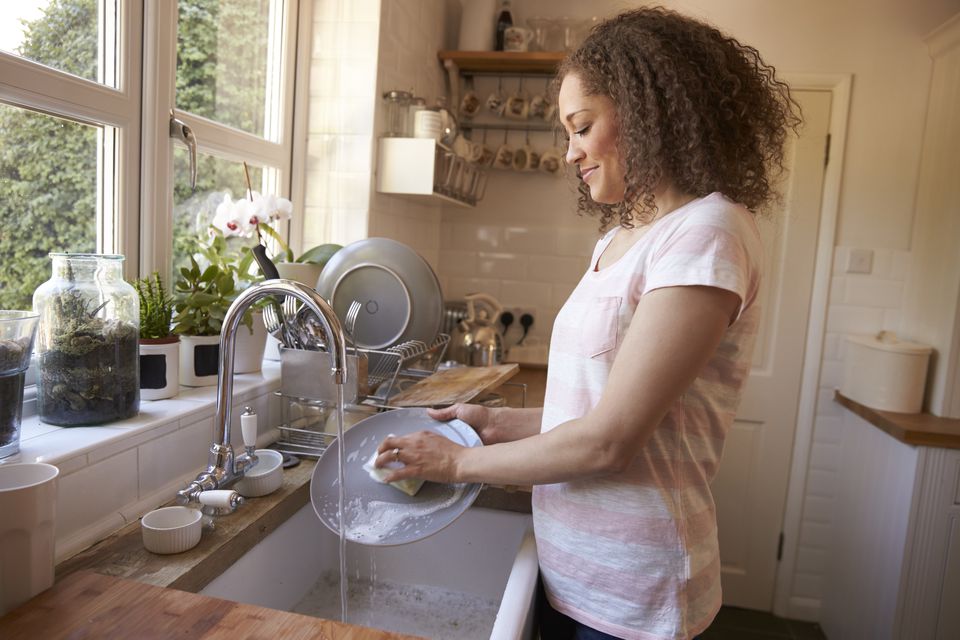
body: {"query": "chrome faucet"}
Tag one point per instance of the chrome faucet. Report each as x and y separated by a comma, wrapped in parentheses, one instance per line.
(223, 468)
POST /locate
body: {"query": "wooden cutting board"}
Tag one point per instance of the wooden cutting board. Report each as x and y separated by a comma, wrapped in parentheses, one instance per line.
(459, 384)
(90, 605)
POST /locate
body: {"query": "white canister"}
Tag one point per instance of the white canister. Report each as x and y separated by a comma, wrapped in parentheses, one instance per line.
(477, 25)
(428, 123)
(885, 373)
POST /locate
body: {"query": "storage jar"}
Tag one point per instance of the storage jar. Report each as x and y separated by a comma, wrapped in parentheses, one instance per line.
(884, 373)
(87, 342)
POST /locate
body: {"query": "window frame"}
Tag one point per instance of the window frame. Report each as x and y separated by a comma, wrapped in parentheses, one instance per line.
(213, 138)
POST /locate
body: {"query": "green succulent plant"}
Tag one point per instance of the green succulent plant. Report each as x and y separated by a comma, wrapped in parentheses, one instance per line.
(156, 307)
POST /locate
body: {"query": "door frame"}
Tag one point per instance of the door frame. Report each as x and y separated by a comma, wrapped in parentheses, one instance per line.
(839, 85)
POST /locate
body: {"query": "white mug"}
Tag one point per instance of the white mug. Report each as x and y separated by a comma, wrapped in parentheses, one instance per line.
(551, 161)
(517, 39)
(28, 504)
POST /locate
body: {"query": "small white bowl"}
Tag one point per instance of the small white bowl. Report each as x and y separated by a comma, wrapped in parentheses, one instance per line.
(264, 478)
(171, 529)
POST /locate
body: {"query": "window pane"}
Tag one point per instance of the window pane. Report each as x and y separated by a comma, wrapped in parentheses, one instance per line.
(62, 34)
(48, 198)
(193, 211)
(223, 53)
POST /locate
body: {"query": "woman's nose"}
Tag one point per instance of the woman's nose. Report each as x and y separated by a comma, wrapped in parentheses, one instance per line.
(574, 154)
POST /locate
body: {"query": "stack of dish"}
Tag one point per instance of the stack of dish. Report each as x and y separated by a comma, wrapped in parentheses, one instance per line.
(399, 293)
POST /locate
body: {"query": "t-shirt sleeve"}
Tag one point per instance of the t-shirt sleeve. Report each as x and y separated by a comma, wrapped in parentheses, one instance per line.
(717, 248)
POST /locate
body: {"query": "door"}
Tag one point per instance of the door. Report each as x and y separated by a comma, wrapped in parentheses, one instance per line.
(751, 486)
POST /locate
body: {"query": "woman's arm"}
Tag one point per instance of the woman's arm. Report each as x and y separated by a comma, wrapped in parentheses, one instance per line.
(494, 425)
(674, 333)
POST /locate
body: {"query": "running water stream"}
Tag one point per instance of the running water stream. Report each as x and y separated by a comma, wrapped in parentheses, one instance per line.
(341, 464)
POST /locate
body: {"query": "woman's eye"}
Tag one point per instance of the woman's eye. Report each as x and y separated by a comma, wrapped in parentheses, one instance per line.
(582, 131)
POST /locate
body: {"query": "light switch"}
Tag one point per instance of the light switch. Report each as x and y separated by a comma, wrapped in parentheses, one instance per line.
(860, 261)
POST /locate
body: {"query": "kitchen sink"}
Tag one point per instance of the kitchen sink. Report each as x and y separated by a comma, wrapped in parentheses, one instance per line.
(475, 579)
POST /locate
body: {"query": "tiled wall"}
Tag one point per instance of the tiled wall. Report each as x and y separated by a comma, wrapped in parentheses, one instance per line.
(411, 34)
(859, 304)
(111, 475)
(343, 75)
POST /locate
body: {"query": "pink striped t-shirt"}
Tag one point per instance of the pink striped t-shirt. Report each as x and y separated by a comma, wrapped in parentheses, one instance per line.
(635, 554)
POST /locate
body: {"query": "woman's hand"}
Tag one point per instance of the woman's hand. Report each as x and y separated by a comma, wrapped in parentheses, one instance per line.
(425, 455)
(477, 416)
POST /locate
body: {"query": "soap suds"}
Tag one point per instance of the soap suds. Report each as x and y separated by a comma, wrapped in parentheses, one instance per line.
(427, 611)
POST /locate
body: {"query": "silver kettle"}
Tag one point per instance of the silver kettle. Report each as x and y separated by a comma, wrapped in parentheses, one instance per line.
(477, 342)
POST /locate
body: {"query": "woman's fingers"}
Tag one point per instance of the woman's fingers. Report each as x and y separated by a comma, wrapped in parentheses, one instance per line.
(447, 413)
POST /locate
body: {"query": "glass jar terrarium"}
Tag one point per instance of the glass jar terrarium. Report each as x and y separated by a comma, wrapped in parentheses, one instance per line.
(87, 343)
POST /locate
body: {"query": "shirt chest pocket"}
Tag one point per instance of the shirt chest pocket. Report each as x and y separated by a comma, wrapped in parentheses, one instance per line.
(599, 327)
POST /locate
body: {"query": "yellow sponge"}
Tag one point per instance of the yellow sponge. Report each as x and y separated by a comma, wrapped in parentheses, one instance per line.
(409, 486)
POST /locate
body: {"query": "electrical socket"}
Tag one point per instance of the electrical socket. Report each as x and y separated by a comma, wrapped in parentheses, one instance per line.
(515, 330)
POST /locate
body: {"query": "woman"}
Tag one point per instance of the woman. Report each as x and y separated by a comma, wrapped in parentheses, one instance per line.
(677, 134)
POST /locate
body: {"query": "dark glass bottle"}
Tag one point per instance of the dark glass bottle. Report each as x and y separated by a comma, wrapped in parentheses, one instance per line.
(504, 20)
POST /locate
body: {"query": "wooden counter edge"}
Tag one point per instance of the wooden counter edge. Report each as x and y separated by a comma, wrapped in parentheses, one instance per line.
(917, 429)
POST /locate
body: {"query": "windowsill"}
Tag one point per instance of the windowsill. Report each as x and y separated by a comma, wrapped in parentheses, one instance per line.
(41, 442)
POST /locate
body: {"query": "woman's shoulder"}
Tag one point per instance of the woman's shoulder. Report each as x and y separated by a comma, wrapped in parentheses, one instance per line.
(716, 210)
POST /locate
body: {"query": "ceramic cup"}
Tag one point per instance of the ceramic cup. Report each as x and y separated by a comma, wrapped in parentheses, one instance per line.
(551, 161)
(526, 158)
(516, 108)
(467, 149)
(495, 103)
(171, 529)
(264, 478)
(504, 157)
(517, 39)
(28, 504)
(469, 105)
(540, 108)
(487, 156)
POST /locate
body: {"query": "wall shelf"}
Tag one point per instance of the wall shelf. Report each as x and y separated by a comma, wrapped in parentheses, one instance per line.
(533, 62)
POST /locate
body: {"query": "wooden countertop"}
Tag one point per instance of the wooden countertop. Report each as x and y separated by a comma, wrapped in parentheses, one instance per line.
(918, 429)
(85, 598)
(91, 605)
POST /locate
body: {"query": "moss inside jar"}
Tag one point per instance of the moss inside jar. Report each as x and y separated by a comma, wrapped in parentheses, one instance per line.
(87, 344)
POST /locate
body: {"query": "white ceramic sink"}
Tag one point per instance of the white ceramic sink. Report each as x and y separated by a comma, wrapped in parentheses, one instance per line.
(475, 579)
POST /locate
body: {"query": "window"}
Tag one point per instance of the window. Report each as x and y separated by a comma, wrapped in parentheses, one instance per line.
(234, 90)
(69, 135)
(87, 92)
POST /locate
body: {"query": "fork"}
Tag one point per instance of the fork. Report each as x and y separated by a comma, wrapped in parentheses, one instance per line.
(350, 320)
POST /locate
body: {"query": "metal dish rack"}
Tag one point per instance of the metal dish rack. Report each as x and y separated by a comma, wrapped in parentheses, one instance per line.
(303, 428)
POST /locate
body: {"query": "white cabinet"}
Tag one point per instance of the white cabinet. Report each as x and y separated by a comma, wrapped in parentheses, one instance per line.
(892, 571)
(422, 169)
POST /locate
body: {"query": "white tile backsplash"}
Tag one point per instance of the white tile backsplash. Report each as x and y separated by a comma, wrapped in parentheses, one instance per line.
(95, 492)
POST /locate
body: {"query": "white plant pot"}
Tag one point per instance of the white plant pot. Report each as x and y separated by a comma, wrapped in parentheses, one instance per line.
(159, 368)
(199, 360)
(302, 272)
(248, 352)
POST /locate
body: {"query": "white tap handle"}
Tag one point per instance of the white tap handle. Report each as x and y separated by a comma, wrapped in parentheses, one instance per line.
(248, 427)
(220, 498)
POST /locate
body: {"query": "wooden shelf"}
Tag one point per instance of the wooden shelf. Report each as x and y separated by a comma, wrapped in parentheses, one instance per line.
(543, 62)
(917, 429)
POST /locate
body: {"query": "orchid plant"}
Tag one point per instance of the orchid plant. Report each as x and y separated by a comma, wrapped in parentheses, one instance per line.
(255, 216)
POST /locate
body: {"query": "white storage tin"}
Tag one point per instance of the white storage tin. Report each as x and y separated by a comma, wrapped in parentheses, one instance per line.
(884, 373)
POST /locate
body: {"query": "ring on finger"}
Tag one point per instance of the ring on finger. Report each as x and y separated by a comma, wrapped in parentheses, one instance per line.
(396, 454)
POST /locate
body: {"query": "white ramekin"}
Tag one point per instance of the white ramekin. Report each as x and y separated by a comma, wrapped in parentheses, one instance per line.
(264, 478)
(171, 529)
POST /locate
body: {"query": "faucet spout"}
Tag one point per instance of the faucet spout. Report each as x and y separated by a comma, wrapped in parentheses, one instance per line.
(223, 468)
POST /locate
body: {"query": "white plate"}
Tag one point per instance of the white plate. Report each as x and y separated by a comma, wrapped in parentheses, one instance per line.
(376, 513)
(400, 293)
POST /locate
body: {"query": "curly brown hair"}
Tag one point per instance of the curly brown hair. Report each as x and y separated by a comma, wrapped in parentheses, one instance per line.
(693, 105)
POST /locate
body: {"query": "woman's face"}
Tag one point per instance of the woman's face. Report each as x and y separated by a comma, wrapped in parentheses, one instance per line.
(591, 123)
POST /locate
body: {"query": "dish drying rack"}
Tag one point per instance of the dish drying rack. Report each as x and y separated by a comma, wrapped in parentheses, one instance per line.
(308, 400)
